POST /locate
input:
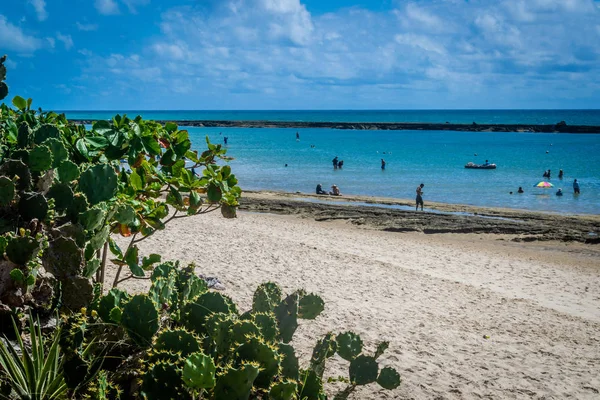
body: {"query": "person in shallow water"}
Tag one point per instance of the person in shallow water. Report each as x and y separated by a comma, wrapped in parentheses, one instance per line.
(419, 197)
(560, 174)
(335, 162)
(382, 164)
(340, 164)
(520, 190)
(576, 187)
(297, 136)
(320, 189)
(559, 192)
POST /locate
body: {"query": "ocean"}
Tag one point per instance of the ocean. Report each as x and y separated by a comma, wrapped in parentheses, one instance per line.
(435, 158)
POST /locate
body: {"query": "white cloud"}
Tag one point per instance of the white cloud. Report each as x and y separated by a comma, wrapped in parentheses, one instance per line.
(13, 38)
(106, 7)
(51, 42)
(86, 27)
(66, 39)
(133, 4)
(40, 9)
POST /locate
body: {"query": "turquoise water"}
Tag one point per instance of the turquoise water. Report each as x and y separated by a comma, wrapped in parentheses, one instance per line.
(435, 158)
(571, 117)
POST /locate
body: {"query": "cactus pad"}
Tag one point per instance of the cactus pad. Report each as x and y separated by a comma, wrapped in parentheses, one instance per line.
(98, 183)
(162, 382)
(63, 258)
(58, 149)
(114, 298)
(7, 191)
(287, 317)
(388, 378)
(33, 205)
(289, 363)
(363, 370)
(310, 306)
(177, 341)
(283, 391)
(194, 314)
(67, 171)
(40, 159)
(266, 297)
(349, 345)
(324, 349)
(256, 350)
(17, 168)
(267, 325)
(62, 195)
(199, 372)
(140, 319)
(236, 384)
(44, 132)
(311, 386)
(21, 249)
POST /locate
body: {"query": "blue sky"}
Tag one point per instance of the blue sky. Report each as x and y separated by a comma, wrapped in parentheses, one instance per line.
(302, 54)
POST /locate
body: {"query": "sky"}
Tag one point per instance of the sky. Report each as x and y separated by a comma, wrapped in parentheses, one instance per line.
(302, 54)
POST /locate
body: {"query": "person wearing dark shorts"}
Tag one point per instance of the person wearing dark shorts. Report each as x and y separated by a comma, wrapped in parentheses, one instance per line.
(419, 197)
(576, 187)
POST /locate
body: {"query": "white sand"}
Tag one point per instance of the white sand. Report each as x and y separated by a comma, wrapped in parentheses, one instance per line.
(433, 297)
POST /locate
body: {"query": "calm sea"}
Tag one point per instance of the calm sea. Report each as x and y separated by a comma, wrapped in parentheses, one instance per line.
(435, 158)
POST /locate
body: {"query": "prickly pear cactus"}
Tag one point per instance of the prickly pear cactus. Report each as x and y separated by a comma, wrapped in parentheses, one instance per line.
(140, 320)
(255, 349)
(287, 317)
(266, 297)
(363, 370)
(389, 378)
(349, 345)
(98, 183)
(267, 324)
(194, 314)
(283, 391)
(115, 298)
(236, 384)
(324, 349)
(199, 372)
(289, 363)
(7, 191)
(177, 341)
(310, 306)
(163, 381)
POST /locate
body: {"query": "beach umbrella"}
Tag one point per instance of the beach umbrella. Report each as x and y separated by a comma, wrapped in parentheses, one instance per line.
(544, 185)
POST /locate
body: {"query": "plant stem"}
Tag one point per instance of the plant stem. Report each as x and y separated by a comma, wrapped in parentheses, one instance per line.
(116, 281)
(103, 266)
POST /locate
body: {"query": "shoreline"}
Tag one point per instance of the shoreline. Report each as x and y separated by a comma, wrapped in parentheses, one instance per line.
(560, 127)
(393, 215)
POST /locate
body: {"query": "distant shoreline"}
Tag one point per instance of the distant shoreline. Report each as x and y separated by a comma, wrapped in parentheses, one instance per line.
(400, 126)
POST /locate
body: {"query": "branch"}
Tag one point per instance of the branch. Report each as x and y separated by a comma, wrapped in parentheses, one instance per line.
(132, 277)
(116, 281)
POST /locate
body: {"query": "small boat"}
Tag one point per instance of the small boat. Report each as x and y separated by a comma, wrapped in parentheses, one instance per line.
(480, 166)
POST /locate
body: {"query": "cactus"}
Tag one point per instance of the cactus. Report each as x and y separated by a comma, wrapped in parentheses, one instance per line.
(162, 290)
(324, 349)
(177, 341)
(63, 258)
(267, 325)
(23, 135)
(287, 317)
(199, 372)
(33, 206)
(349, 345)
(266, 297)
(45, 131)
(17, 168)
(289, 363)
(77, 292)
(58, 149)
(62, 195)
(102, 389)
(310, 306)
(67, 171)
(363, 370)
(240, 330)
(254, 349)
(236, 384)
(218, 340)
(140, 319)
(98, 183)
(189, 286)
(163, 381)
(311, 386)
(40, 159)
(92, 219)
(114, 298)
(20, 250)
(194, 314)
(389, 378)
(7, 191)
(283, 391)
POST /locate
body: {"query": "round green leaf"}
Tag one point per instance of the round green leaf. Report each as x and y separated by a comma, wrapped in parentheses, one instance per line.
(125, 214)
(349, 345)
(17, 275)
(62, 195)
(199, 372)
(7, 191)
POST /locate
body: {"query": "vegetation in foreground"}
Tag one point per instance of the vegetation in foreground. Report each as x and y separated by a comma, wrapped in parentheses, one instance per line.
(63, 192)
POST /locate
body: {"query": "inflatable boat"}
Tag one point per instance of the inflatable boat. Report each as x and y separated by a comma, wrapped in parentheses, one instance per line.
(480, 166)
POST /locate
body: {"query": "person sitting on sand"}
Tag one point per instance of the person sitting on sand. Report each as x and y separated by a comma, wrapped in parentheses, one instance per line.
(320, 189)
(420, 197)
(559, 193)
(335, 191)
(520, 190)
(575, 187)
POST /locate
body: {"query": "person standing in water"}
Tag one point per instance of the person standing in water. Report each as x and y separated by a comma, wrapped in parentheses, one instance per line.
(382, 164)
(335, 162)
(419, 197)
(576, 187)
(560, 174)
(225, 138)
(297, 136)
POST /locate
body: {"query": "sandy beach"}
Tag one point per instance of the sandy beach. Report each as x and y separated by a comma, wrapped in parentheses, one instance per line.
(434, 297)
